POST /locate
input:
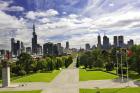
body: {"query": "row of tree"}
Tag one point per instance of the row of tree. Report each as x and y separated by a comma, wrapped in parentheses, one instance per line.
(26, 64)
(108, 59)
(134, 60)
(95, 58)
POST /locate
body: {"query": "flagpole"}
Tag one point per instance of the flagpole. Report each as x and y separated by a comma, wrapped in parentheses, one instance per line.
(121, 66)
(117, 62)
(127, 69)
(127, 66)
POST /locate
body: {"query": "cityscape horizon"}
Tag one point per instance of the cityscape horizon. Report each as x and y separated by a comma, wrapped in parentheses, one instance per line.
(69, 46)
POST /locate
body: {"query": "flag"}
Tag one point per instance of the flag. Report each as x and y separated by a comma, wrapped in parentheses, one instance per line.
(129, 53)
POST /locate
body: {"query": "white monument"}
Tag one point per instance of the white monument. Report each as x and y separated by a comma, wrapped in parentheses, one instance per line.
(5, 74)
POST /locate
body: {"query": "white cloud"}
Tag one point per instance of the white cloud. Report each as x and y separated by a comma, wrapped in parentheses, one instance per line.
(10, 26)
(14, 8)
(35, 15)
(77, 28)
(4, 6)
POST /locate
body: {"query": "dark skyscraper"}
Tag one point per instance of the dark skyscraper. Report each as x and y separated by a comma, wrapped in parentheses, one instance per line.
(121, 41)
(48, 49)
(130, 43)
(99, 42)
(28, 50)
(12, 45)
(115, 41)
(67, 45)
(106, 44)
(34, 41)
(16, 47)
(87, 46)
(22, 47)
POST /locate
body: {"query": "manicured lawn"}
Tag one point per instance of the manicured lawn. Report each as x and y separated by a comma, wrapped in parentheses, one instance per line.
(36, 91)
(134, 75)
(95, 75)
(114, 90)
(38, 77)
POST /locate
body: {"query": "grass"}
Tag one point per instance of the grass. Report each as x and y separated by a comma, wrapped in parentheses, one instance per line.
(134, 75)
(36, 91)
(38, 77)
(113, 90)
(95, 75)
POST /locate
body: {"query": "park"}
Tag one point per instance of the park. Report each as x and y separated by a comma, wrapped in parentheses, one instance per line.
(83, 73)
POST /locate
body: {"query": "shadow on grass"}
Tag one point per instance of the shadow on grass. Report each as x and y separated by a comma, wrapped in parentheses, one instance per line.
(120, 89)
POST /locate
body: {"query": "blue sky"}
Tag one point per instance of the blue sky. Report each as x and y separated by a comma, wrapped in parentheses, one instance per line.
(76, 21)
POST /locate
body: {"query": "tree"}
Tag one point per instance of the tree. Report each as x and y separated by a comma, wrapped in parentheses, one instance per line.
(0, 70)
(134, 60)
(77, 62)
(59, 63)
(25, 61)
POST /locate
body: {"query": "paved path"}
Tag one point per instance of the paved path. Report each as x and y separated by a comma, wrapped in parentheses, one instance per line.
(68, 82)
(107, 84)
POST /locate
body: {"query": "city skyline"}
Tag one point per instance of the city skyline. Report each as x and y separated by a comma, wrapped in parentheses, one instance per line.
(78, 22)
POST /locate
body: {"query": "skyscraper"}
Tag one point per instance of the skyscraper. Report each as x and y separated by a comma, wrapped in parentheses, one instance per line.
(87, 46)
(22, 47)
(48, 49)
(115, 41)
(67, 45)
(121, 41)
(18, 47)
(12, 45)
(106, 44)
(34, 41)
(130, 43)
(28, 50)
(99, 42)
(15, 47)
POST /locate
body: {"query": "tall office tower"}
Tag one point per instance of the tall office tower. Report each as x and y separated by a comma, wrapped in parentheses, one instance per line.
(22, 47)
(87, 46)
(115, 41)
(12, 45)
(60, 51)
(106, 44)
(48, 49)
(18, 48)
(28, 50)
(130, 43)
(39, 49)
(121, 41)
(34, 41)
(99, 45)
(67, 45)
(55, 50)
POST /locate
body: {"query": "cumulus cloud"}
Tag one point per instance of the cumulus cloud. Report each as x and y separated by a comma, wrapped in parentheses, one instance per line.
(114, 17)
(11, 26)
(35, 15)
(5, 6)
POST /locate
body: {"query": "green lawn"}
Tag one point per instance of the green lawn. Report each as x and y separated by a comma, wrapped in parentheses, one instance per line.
(36, 91)
(134, 75)
(95, 75)
(38, 77)
(114, 90)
